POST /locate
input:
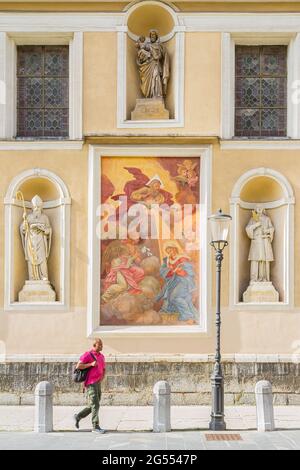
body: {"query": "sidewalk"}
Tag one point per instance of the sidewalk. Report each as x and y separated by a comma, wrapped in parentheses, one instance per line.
(176, 440)
(135, 418)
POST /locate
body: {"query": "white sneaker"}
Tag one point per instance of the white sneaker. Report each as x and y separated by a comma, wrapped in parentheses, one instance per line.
(98, 430)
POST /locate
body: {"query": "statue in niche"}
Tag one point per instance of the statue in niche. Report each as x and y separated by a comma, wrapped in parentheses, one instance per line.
(153, 66)
(36, 236)
(260, 230)
(154, 72)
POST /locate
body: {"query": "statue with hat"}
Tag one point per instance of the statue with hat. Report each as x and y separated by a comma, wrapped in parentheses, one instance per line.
(260, 230)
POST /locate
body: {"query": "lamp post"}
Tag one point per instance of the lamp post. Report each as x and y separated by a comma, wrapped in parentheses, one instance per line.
(219, 226)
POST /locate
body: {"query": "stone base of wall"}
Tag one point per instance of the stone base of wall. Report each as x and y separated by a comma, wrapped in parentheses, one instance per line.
(131, 383)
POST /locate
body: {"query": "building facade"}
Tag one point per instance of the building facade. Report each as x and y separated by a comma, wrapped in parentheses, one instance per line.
(98, 113)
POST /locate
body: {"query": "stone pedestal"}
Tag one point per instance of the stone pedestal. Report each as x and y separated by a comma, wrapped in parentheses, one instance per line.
(37, 291)
(149, 108)
(259, 292)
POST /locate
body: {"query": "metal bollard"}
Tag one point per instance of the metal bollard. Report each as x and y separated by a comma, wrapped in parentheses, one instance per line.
(43, 420)
(162, 407)
(264, 406)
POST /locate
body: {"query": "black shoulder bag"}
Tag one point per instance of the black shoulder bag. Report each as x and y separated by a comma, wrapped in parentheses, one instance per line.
(80, 375)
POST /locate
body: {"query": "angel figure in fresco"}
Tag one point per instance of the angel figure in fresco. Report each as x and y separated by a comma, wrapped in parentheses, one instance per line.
(124, 274)
(187, 173)
(186, 180)
(177, 292)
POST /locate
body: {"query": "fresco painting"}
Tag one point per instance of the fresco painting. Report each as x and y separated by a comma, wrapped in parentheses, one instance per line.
(151, 278)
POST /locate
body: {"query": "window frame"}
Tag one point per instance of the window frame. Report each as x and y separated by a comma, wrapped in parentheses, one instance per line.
(260, 77)
(229, 42)
(24, 105)
(8, 78)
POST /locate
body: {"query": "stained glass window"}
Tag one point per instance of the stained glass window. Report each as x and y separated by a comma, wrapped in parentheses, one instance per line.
(261, 91)
(43, 91)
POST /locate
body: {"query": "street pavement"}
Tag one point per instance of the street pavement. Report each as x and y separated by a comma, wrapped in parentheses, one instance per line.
(120, 441)
(129, 428)
(140, 418)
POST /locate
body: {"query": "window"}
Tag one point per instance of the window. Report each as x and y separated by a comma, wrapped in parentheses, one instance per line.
(261, 91)
(43, 91)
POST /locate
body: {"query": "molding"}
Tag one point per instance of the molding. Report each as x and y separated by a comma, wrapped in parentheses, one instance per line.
(8, 83)
(76, 86)
(93, 313)
(178, 121)
(158, 139)
(47, 205)
(38, 39)
(64, 204)
(241, 22)
(37, 173)
(193, 22)
(236, 144)
(41, 145)
(270, 307)
(60, 22)
(265, 205)
(164, 5)
(236, 203)
(227, 86)
(154, 358)
(275, 175)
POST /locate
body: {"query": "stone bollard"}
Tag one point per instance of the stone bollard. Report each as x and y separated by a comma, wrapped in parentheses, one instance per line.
(162, 407)
(43, 420)
(264, 406)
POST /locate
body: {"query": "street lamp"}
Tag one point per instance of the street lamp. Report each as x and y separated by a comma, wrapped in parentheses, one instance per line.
(219, 226)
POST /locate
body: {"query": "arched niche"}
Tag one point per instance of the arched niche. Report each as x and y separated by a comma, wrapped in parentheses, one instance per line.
(56, 206)
(143, 16)
(140, 18)
(274, 193)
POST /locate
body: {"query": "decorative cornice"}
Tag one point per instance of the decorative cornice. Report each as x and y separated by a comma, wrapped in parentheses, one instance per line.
(59, 22)
(239, 144)
(150, 139)
(41, 145)
(280, 22)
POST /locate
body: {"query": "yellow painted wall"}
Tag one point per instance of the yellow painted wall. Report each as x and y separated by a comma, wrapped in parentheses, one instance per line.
(100, 83)
(202, 85)
(65, 332)
(181, 5)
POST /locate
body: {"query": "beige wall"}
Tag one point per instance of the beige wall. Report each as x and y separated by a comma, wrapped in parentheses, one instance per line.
(100, 83)
(202, 85)
(183, 5)
(65, 332)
